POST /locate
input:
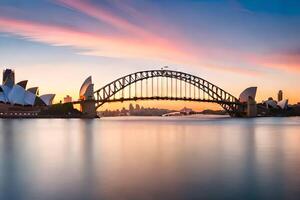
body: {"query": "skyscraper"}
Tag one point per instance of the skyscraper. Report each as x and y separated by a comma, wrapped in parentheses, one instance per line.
(8, 78)
(280, 95)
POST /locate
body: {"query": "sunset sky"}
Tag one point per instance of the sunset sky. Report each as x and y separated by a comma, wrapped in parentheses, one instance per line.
(233, 44)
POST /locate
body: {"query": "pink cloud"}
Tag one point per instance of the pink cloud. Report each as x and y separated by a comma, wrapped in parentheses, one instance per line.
(110, 18)
(91, 43)
(173, 46)
(284, 61)
(136, 43)
(99, 13)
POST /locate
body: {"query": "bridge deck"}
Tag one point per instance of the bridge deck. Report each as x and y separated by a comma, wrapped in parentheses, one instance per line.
(159, 98)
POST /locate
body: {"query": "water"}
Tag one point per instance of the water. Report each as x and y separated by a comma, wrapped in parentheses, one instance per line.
(150, 158)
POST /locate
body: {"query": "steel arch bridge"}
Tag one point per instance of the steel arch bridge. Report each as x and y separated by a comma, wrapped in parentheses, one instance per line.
(165, 85)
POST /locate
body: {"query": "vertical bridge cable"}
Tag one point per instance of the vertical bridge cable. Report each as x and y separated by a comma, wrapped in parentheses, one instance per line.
(152, 86)
(185, 88)
(130, 89)
(198, 91)
(180, 88)
(123, 83)
(167, 86)
(147, 87)
(194, 91)
(176, 87)
(161, 86)
(135, 83)
(190, 88)
(171, 87)
(203, 92)
(157, 85)
(141, 88)
(114, 91)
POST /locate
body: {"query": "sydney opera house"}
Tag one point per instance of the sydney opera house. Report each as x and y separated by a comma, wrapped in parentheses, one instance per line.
(17, 100)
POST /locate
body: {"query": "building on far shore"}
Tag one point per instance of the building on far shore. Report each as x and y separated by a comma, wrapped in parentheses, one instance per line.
(280, 95)
(67, 99)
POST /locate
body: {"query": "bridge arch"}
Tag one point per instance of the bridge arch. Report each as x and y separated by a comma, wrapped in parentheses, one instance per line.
(207, 92)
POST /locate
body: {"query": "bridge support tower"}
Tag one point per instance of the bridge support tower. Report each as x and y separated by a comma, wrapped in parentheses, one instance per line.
(88, 109)
(251, 108)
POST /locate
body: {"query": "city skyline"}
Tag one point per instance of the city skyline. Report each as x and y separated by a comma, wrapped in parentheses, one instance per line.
(233, 44)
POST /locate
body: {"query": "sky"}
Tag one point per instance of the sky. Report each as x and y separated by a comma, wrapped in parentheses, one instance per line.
(235, 44)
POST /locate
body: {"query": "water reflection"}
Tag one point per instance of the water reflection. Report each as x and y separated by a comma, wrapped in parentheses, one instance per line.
(150, 158)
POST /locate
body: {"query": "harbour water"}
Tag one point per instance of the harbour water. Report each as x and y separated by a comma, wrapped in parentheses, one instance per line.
(138, 158)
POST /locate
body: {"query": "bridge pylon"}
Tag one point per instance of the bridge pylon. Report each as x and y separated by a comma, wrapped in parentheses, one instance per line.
(88, 109)
(87, 100)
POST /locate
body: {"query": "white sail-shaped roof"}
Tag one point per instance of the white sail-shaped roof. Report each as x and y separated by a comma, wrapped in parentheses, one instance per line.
(5, 90)
(84, 88)
(23, 84)
(2, 97)
(29, 98)
(47, 98)
(34, 90)
(16, 95)
(283, 104)
(249, 92)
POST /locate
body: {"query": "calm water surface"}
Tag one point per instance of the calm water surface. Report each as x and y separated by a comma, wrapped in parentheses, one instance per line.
(150, 158)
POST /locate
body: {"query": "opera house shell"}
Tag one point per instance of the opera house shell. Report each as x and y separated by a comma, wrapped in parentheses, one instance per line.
(16, 97)
(283, 104)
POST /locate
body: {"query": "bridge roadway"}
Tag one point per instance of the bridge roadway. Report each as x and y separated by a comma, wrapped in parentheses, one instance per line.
(158, 98)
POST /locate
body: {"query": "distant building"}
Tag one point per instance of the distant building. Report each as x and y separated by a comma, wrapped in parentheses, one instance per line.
(280, 96)
(67, 99)
(186, 110)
